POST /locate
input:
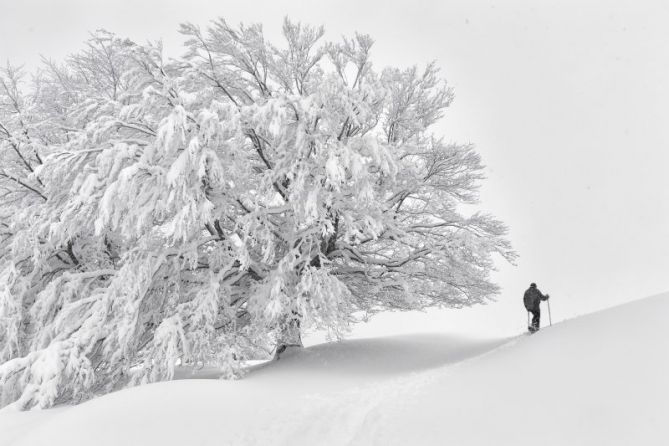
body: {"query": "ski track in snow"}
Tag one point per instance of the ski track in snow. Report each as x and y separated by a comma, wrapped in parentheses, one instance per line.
(346, 415)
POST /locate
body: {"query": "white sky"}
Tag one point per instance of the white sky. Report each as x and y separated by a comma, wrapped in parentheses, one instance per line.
(567, 101)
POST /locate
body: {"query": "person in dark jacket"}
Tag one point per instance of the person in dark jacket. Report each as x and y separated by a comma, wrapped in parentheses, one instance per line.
(532, 299)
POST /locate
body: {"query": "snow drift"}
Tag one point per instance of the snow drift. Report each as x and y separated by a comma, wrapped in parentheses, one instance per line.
(597, 379)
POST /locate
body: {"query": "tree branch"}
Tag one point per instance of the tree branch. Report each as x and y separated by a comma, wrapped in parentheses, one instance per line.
(22, 183)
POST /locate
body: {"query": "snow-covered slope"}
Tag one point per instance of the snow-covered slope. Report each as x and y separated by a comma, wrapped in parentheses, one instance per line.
(598, 379)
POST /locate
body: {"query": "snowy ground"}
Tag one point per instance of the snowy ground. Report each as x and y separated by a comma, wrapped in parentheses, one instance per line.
(599, 379)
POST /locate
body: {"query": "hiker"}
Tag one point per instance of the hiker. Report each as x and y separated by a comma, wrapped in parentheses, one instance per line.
(532, 299)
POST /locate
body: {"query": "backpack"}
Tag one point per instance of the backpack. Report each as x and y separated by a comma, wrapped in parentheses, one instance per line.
(529, 299)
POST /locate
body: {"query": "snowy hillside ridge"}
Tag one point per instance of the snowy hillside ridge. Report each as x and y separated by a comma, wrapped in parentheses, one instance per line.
(595, 379)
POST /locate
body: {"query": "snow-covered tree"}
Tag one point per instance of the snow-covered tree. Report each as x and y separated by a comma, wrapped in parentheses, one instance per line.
(209, 209)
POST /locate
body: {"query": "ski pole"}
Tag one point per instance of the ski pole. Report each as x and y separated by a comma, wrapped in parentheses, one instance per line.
(549, 312)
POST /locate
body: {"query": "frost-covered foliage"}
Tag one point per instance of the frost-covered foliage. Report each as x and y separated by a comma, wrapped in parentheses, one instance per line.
(208, 209)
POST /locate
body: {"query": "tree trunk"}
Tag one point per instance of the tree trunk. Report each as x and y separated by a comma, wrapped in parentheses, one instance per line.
(291, 335)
